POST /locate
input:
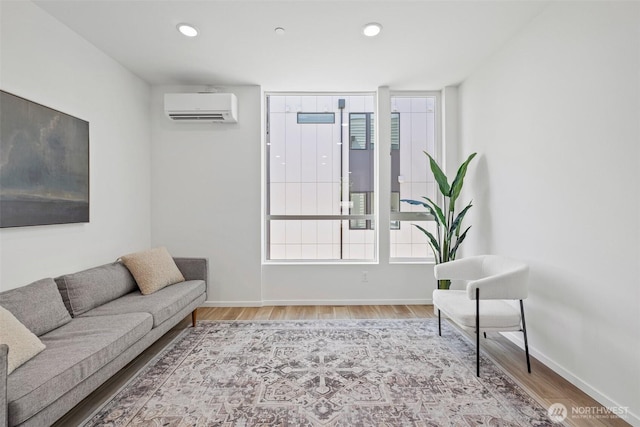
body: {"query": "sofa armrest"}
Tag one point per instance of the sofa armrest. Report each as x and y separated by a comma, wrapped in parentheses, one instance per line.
(4, 367)
(193, 268)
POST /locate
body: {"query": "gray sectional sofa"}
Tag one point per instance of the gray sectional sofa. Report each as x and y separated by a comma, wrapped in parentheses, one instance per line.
(93, 323)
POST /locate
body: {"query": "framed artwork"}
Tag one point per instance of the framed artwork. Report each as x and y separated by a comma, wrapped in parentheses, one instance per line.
(44, 165)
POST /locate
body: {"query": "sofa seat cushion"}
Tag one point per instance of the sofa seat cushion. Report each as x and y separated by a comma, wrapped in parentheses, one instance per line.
(499, 315)
(73, 353)
(161, 304)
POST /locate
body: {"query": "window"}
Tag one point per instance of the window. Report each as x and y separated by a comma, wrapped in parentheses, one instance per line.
(316, 118)
(395, 207)
(411, 176)
(360, 131)
(320, 177)
(361, 205)
(395, 131)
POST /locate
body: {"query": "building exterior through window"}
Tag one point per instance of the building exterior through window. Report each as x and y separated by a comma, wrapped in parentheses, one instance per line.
(321, 178)
(411, 176)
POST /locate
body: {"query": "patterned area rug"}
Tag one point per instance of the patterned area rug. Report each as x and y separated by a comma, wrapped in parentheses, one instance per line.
(321, 373)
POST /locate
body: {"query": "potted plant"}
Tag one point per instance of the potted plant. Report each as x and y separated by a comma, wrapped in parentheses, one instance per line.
(448, 236)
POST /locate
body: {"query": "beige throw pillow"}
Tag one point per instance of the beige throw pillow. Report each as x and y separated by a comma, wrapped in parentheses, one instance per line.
(153, 269)
(23, 344)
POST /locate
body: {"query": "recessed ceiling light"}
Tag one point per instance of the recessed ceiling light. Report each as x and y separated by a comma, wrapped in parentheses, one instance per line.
(279, 31)
(187, 30)
(372, 29)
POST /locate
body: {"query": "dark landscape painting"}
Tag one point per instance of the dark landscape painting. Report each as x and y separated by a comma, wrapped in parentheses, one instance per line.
(44, 165)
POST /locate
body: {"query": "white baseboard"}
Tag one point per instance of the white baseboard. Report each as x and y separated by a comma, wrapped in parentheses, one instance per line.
(315, 302)
(232, 304)
(518, 339)
(350, 302)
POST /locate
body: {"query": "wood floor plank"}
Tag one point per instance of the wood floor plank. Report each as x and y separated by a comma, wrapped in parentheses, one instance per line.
(403, 312)
(341, 312)
(278, 313)
(263, 313)
(421, 311)
(247, 313)
(309, 312)
(387, 312)
(326, 312)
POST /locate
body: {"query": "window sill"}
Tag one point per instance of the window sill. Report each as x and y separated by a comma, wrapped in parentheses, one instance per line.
(426, 261)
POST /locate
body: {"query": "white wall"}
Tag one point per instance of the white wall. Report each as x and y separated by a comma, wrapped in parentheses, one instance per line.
(206, 193)
(554, 116)
(342, 284)
(43, 61)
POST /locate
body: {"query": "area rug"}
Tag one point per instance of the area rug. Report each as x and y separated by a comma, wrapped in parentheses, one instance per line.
(320, 373)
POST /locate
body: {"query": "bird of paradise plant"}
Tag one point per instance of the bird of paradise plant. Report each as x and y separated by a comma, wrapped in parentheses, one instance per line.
(448, 236)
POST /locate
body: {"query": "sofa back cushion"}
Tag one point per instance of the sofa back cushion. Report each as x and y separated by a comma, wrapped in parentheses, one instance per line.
(38, 306)
(90, 288)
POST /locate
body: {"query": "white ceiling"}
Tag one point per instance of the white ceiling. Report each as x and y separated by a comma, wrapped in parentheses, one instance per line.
(423, 45)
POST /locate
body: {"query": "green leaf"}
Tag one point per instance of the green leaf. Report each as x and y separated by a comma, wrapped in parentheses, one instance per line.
(435, 246)
(458, 221)
(431, 207)
(416, 202)
(440, 177)
(456, 186)
(448, 223)
(460, 239)
(437, 212)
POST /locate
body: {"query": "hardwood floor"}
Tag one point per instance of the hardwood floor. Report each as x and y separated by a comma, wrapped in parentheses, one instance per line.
(543, 384)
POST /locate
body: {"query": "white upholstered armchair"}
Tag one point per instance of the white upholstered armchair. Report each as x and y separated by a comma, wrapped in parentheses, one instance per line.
(491, 279)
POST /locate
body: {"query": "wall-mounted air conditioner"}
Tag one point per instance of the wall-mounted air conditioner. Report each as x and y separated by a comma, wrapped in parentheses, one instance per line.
(201, 107)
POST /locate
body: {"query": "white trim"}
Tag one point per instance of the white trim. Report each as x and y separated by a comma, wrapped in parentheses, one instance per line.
(518, 339)
(382, 173)
(426, 301)
(351, 302)
(320, 262)
(424, 261)
(232, 304)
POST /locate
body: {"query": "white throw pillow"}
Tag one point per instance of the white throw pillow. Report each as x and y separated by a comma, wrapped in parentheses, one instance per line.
(153, 269)
(23, 344)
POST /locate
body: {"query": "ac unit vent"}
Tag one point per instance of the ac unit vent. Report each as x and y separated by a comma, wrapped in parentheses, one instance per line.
(218, 117)
(201, 107)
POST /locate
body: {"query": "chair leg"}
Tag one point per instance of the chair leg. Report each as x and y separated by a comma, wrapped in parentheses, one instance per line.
(194, 317)
(477, 332)
(524, 330)
(439, 324)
